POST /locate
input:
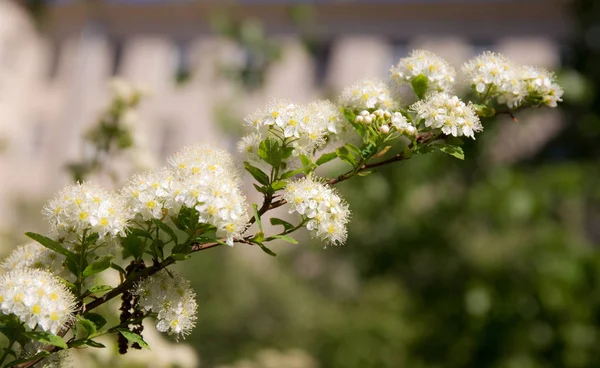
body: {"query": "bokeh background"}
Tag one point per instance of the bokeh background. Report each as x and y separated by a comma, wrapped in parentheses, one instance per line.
(490, 262)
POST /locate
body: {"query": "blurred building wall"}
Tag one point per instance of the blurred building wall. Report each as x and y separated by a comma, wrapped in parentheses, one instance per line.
(53, 83)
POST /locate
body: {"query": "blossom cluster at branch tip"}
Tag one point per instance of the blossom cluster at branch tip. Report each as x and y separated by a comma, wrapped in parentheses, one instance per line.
(493, 75)
(208, 181)
(85, 207)
(38, 298)
(305, 128)
(172, 298)
(324, 210)
(448, 113)
(127, 92)
(440, 75)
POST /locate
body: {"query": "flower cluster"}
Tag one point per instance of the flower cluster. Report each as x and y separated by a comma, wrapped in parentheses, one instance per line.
(448, 113)
(149, 195)
(368, 94)
(85, 207)
(172, 298)
(38, 298)
(440, 75)
(541, 86)
(493, 75)
(34, 255)
(126, 92)
(208, 181)
(304, 128)
(323, 209)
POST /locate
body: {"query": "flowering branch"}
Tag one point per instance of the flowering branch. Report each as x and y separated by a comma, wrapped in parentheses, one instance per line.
(196, 203)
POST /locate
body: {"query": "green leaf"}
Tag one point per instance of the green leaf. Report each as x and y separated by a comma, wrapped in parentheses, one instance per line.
(352, 148)
(289, 174)
(278, 185)
(87, 326)
(420, 85)
(305, 160)
(369, 150)
(266, 250)
(346, 156)
(139, 232)
(100, 289)
(365, 173)
(264, 190)
(166, 228)
(270, 151)
(287, 238)
(46, 338)
(133, 245)
(72, 266)
(185, 248)
(41, 354)
(98, 265)
(326, 157)
(94, 344)
(179, 256)
(286, 225)
(50, 244)
(452, 150)
(133, 337)
(96, 318)
(257, 174)
(257, 217)
(484, 111)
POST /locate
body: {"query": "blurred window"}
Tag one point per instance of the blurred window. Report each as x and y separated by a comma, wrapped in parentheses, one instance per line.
(54, 59)
(183, 70)
(117, 46)
(321, 51)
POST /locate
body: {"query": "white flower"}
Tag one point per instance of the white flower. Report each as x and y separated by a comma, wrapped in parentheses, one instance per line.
(208, 181)
(85, 207)
(38, 298)
(448, 113)
(494, 76)
(541, 85)
(201, 160)
(401, 124)
(320, 205)
(303, 128)
(125, 91)
(172, 298)
(440, 74)
(327, 116)
(34, 255)
(147, 195)
(248, 147)
(368, 94)
(489, 72)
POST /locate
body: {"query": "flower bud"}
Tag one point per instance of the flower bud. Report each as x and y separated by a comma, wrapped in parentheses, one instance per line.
(368, 120)
(359, 119)
(384, 129)
(387, 115)
(411, 130)
(364, 113)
